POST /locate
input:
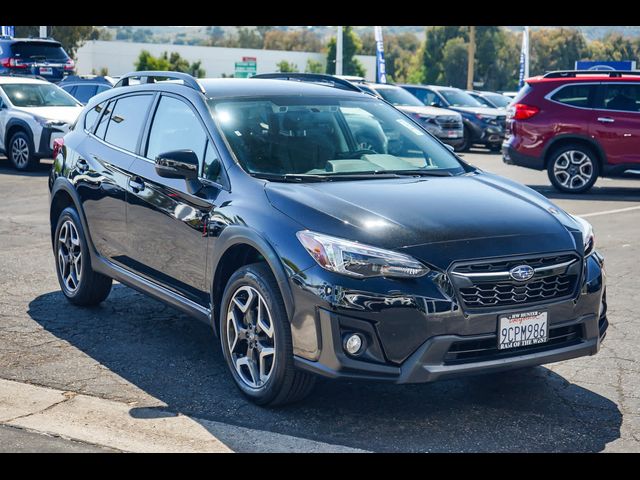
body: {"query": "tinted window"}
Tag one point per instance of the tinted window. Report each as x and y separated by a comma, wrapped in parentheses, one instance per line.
(425, 96)
(102, 88)
(38, 95)
(127, 120)
(458, 98)
(84, 92)
(91, 116)
(104, 120)
(483, 101)
(576, 95)
(212, 164)
(39, 51)
(622, 97)
(175, 127)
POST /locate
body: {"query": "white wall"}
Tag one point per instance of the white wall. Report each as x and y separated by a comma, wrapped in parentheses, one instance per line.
(120, 57)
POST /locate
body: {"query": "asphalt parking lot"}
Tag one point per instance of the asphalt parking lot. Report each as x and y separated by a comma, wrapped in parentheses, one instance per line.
(152, 359)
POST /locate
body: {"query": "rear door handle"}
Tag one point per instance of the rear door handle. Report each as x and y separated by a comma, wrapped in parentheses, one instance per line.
(136, 184)
(606, 119)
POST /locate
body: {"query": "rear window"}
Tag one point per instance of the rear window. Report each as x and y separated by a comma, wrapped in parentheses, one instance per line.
(39, 51)
(576, 95)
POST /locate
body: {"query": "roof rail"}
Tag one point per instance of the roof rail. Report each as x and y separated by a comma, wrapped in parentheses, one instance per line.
(151, 76)
(314, 78)
(575, 73)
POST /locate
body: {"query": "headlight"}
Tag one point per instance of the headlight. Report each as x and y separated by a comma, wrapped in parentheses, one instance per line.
(486, 118)
(45, 122)
(588, 239)
(421, 117)
(358, 260)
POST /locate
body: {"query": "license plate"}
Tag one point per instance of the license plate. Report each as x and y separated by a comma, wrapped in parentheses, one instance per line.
(46, 71)
(453, 134)
(522, 329)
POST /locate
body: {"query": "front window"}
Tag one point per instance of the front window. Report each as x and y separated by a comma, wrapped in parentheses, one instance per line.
(38, 95)
(458, 98)
(320, 138)
(399, 97)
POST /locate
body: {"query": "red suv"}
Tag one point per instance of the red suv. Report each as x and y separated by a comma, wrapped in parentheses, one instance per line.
(577, 125)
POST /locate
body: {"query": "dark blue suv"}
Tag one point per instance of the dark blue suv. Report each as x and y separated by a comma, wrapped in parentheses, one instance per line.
(34, 56)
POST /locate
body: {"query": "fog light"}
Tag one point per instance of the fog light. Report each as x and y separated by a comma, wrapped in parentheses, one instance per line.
(353, 344)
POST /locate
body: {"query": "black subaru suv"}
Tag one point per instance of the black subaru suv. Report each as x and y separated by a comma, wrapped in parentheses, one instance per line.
(251, 205)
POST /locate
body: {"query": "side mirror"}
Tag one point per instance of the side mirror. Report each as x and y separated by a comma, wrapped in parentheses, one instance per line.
(177, 164)
(450, 147)
(434, 104)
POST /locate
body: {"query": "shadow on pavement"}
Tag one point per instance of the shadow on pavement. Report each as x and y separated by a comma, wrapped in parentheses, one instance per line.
(178, 361)
(41, 170)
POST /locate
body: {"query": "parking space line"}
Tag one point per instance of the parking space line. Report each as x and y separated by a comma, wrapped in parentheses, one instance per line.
(610, 212)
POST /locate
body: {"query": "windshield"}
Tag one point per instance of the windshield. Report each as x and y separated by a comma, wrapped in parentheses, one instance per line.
(38, 95)
(324, 137)
(458, 98)
(498, 100)
(399, 97)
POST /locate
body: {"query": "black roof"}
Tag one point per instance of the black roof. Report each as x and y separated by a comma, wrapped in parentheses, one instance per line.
(246, 87)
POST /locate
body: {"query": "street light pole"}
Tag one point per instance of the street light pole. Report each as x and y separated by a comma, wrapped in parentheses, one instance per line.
(339, 52)
(471, 57)
(43, 32)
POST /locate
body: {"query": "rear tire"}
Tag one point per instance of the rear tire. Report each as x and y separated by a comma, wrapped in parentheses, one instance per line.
(21, 152)
(78, 281)
(573, 168)
(253, 320)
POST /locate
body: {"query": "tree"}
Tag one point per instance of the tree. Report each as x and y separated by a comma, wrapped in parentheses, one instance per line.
(433, 51)
(286, 67)
(454, 62)
(169, 62)
(71, 38)
(314, 66)
(300, 40)
(556, 49)
(350, 46)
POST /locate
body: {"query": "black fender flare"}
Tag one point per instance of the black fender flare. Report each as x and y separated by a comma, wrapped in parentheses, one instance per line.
(575, 136)
(240, 234)
(24, 126)
(63, 184)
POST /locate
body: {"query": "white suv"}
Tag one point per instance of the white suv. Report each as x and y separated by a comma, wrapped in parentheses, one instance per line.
(33, 113)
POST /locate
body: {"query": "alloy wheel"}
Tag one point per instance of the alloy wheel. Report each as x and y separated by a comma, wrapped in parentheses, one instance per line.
(70, 256)
(20, 152)
(250, 337)
(573, 169)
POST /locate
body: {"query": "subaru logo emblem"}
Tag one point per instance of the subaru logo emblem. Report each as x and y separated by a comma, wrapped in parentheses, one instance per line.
(521, 273)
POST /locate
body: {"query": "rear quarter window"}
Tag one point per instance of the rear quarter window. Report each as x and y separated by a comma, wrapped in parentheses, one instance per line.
(576, 95)
(92, 115)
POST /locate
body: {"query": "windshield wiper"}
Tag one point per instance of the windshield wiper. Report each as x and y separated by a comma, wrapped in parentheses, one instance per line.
(290, 177)
(423, 172)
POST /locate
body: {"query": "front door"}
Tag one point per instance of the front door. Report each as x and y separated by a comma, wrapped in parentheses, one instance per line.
(166, 218)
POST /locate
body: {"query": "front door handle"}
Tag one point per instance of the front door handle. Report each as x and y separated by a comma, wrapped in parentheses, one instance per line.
(136, 184)
(606, 119)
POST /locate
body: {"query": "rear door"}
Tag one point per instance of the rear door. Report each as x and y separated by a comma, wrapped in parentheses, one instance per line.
(617, 122)
(165, 218)
(101, 170)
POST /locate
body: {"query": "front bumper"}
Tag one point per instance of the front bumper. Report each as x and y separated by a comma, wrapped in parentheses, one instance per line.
(485, 133)
(415, 341)
(47, 136)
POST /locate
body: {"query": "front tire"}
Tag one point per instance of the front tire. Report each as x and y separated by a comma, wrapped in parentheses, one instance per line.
(78, 281)
(256, 339)
(466, 141)
(21, 152)
(573, 168)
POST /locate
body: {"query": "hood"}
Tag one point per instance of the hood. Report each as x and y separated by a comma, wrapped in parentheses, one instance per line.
(434, 111)
(64, 114)
(436, 219)
(481, 110)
